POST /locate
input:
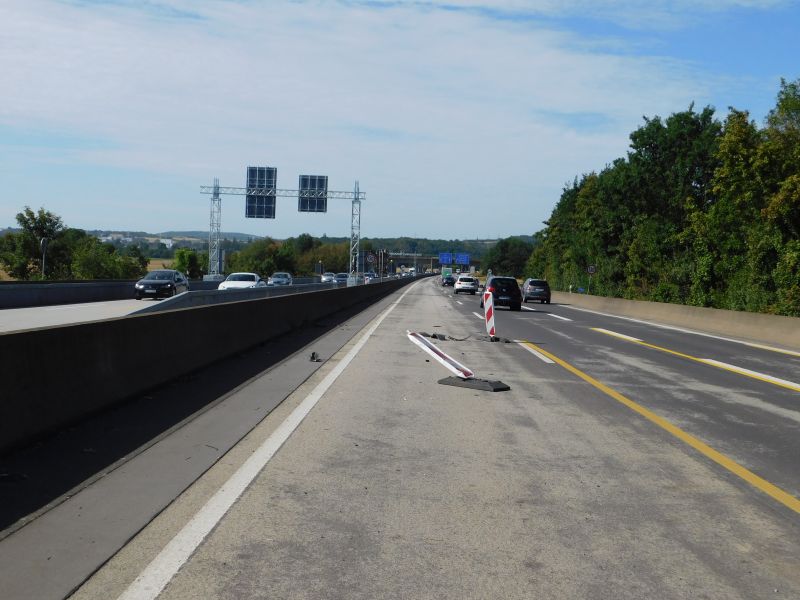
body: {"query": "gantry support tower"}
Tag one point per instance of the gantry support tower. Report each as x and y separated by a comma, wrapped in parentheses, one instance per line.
(215, 224)
(355, 230)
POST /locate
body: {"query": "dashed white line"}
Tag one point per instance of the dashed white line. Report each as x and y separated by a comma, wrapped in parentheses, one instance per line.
(459, 302)
(615, 334)
(755, 374)
(481, 317)
(690, 331)
(559, 317)
(528, 308)
(536, 353)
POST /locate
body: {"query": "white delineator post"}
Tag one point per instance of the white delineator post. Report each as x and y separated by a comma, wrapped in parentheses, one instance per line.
(488, 308)
(450, 363)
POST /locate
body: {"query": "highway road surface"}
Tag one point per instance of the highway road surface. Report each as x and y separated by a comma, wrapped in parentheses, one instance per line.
(17, 319)
(627, 460)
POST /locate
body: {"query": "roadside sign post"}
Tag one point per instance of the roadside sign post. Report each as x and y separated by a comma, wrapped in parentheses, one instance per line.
(591, 270)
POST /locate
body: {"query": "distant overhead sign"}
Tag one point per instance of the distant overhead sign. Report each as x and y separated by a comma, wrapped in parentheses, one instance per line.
(445, 258)
(462, 258)
(260, 193)
(312, 195)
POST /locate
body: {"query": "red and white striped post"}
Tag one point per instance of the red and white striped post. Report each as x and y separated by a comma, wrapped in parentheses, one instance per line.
(488, 308)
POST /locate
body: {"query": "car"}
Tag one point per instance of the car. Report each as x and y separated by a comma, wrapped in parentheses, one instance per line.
(161, 283)
(241, 280)
(505, 292)
(280, 278)
(369, 277)
(536, 289)
(355, 279)
(328, 277)
(448, 280)
(465, 283)
(342, 278)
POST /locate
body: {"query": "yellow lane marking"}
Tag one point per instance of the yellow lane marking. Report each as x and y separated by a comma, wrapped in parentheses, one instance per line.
(762, 484)
(789, 385)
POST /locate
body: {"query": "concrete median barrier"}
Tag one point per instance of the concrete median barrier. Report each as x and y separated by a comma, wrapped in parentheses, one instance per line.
(59, 375)
(770, 329)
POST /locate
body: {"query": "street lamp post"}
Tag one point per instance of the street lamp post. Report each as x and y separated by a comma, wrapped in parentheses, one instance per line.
(43, 246)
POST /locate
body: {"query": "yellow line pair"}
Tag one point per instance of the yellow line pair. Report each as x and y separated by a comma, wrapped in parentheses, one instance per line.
(762, 484)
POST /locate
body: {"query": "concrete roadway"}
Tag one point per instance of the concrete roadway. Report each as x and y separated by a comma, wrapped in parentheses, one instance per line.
(394, 486)
(611, 469)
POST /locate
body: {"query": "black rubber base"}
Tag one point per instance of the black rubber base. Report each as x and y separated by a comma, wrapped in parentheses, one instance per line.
(476, 384)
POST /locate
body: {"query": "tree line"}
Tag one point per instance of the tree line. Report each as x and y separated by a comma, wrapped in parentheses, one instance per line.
(46, 249)
(699, 212)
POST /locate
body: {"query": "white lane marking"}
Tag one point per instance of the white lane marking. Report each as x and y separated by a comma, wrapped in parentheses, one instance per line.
(459, 302)
(536, 353)
(528, 308)
(150, 582)
(615, 334)
(756, 374)
(691, 331)
(481, 317)
(559, 317)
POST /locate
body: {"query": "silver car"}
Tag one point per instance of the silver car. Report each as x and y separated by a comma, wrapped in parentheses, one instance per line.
(280, 278)
(465, 284)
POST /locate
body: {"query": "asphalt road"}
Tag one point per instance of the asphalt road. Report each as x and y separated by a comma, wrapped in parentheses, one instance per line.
(626, 461)
(17, 319)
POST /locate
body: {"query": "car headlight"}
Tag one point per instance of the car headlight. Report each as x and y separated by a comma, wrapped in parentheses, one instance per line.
(139, 286)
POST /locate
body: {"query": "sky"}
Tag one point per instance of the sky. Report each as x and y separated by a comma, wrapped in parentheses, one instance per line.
(460, 119)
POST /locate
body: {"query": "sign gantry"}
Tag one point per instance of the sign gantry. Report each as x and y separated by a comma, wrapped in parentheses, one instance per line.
(261, 193)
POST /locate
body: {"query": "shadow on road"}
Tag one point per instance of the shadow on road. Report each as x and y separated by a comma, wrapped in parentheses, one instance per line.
(38, 477)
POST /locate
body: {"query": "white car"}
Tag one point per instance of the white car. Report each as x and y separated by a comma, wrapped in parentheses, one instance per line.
(328, 277)
(465, 283)
(237, 281)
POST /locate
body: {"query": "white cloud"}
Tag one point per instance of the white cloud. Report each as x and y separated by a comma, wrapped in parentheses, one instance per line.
(425, 106)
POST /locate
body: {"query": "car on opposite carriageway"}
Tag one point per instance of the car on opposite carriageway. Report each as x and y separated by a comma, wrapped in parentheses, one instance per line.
(236, 281)
(161, 283)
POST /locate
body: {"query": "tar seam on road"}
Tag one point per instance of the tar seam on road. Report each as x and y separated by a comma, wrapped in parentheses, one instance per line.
(765, 486)
(155, 577)
(789, 385)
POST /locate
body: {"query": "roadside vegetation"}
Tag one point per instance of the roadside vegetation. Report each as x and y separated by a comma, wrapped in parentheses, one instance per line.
(699, 212)
(66, 253)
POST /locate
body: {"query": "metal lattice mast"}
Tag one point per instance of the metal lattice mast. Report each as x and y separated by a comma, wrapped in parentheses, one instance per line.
(355, 230)
(215, 223)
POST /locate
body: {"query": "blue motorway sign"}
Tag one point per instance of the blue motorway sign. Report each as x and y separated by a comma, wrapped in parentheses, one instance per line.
(445, 258)
(462, 258)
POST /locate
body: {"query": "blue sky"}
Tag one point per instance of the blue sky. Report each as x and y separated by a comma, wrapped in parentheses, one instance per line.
(459, 118)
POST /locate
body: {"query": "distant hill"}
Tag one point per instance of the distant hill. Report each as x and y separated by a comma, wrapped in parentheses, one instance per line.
(196, 235)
